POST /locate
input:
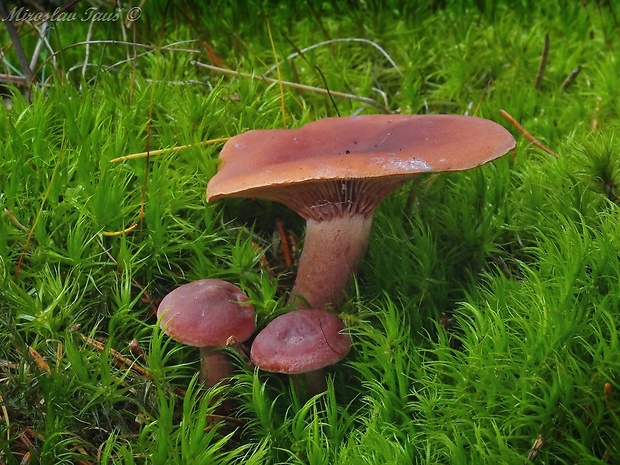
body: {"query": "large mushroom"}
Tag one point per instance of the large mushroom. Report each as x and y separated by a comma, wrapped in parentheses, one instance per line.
(335, 171)
(301, 343)
(205, 314)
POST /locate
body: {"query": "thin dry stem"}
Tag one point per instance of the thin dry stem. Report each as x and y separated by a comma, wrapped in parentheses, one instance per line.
(118, 359)
(165, 48)
(153, 153)
(527, 135)
(543, 63)
(18, 80)
(278, 73)
(15, 221)
(42, 40)
(87, 51)
(294, 85)
(42, 35)
(121, 232)
(482, 97)
(331, 42)
(570, 78)
(286, 250)
(15, 40)
(123, 362)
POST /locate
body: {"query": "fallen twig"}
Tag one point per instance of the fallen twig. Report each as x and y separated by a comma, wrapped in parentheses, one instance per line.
(123, 362)
(543, 63)
(570, 78)
(153, 153)
(119, 359)
(294, 85)
(134, 346)
(527, 135)
(17, 80)
(121, 232)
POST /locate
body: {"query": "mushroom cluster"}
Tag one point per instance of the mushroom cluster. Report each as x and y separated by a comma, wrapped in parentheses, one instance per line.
(333, 172)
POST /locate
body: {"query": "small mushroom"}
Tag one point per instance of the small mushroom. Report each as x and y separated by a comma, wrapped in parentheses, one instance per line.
(205, 314)
(301, 342)
(335, 171)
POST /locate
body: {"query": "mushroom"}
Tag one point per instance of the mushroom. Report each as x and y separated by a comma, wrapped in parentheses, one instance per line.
(205, 314)
(335, 171)
(301, 342)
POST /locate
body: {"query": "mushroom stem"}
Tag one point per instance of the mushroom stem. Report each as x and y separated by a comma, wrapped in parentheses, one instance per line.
(215, 365)
(332, 250)
(311, 383)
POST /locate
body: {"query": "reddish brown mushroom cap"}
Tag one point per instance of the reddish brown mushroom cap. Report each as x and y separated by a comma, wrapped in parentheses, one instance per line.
(260, 163)
(335, 171)
(206, 313)
(300, 341)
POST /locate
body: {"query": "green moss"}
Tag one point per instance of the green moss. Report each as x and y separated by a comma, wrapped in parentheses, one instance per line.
(484, 316)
